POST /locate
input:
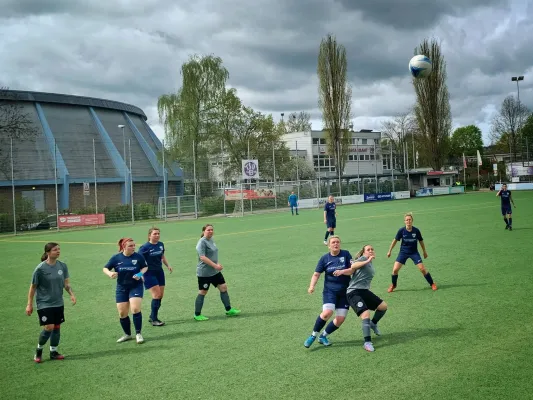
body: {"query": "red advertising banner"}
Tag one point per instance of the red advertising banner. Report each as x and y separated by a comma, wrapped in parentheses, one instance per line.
(250, 194)
(65, 221)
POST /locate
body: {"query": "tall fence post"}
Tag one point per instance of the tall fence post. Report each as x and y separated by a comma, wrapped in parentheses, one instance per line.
(13, 190)
(95, 184)
(223, 176)
(55, 182)
(194, 180)
(274, 176)
(131, 186)
(164, 180)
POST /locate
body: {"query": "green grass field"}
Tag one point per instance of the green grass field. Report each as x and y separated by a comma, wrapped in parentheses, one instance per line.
(471, 339)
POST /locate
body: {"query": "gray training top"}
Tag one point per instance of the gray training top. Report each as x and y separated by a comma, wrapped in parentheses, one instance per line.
(362, 277)
(50, 281)
(209, 249)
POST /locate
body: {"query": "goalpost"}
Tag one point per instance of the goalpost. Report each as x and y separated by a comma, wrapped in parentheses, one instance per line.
(177, 207)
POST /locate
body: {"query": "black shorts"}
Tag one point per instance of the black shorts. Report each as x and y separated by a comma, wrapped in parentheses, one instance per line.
(51, 316)
(215, 280)
(363, 299)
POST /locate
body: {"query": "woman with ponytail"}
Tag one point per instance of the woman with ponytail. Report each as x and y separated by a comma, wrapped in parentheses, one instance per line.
(209, 273)
(129, 268)
(361, 299)
(48, 281)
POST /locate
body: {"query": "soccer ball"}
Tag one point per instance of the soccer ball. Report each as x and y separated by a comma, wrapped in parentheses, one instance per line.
(420, 66)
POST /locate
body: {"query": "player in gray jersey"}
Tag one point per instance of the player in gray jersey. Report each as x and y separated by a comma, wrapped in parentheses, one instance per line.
(360, 298)
(48, 281)
(208, 271)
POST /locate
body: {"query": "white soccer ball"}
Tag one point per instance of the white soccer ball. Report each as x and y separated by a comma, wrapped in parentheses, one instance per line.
(420, 66)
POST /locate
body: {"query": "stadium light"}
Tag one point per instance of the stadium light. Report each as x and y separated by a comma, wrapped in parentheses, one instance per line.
(517, 79)
(124, 157)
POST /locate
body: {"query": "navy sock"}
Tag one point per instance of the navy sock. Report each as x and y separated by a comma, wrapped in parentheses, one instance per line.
(332, 233)
(331, 328)
(506, 221)
(510, 222)
(156, 303)
(377, 316)
(327, 234)
(125, 323)
(43, 337)
(138, 322)
(394, 280)
(319, 324)
(429, 278)
(54, 338)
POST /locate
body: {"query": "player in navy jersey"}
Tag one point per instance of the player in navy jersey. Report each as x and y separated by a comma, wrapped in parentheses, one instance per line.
(292, 202)
(334, 292)
(153, 252)
(360, 298)
(48, 281)
(507, 211)
(410, 237)
(129, 268)
(330, 217)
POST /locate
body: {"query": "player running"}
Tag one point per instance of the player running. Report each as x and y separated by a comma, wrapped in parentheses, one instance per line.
(410, 237)
(129, 268)
(209, 273)
(507, 211)
(48, 281)
(360, 298)
(293, 203)
(330, 217)
(334, 292)
(153, 252)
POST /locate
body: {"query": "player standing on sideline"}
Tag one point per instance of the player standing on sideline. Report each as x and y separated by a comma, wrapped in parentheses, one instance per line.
(153, 252)
(129, 269)
(334, 292)
(330, 217)
(507, 211)
(360, 298)
(410, 236)
(209, 272)
(293, 203)
(48, 281)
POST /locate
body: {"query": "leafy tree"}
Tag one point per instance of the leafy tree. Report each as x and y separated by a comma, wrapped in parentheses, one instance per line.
(335, 98)
(432, 110)
(299, 122)
(16, 124)
(512, 114)
(400, 133)
(466, 140)
(526, 135)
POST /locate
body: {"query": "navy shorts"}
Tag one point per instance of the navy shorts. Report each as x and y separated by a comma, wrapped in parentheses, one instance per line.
(215, 280)
(123, 293)
(51, 315)
(363, 299)
(403, 257)
(154, 278)
(331, 223)
(335, 297)
(507, 210)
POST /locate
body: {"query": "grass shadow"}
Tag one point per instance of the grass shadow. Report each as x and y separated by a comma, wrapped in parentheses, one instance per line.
(441, 287)
(254, 314)
(125, 348)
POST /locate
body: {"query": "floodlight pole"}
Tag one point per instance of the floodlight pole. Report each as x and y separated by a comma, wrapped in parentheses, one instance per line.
(125, 166)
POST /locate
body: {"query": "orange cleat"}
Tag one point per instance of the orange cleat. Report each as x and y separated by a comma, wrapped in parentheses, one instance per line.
(434, 286)
(392, 287)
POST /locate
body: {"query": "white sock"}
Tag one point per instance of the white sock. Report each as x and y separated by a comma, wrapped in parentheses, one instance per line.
(39, 346)
(324, 333)
(52, 348)
(315, 334)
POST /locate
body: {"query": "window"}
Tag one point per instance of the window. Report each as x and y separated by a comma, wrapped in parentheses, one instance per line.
(361, 157)
(323, 163)
(371, 156)
(315, 141)
(364, 141)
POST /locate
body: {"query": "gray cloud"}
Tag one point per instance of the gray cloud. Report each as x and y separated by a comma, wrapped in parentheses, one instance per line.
(132, 51)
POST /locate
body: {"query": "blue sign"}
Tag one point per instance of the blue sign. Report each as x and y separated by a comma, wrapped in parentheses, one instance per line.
(422, 192)
(377, 196)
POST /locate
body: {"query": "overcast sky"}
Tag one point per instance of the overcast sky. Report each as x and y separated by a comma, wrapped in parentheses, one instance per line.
(132, 50)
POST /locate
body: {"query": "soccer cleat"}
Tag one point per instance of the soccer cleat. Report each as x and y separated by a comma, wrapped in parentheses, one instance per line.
(391, 288)
(506, 227)
(309, 341)
(38, 357)
(434, 286)
(368, 346)
(375, 328)
(157, 323)
(200, 318)
(139, 338)
(510, 228)
(54, 355)
(233, 312)
(326, 242)
(124, 338)
(324, 340)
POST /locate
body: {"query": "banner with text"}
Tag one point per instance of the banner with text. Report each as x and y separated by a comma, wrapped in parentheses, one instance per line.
(250, 194)
(423, 192)
(66, 221)
(401, 195)
(377, 196)
(441, 190)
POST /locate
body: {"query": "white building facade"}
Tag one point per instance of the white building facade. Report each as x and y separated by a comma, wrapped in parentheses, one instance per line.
(365, 156)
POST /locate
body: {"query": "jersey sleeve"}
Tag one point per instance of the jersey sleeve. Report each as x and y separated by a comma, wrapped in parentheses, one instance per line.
(201, 248)
(163, 246)
(348, 259)
(35, 277)
(419, 235)
(66, 274)
(143, 250)
(321, 265)
(362, 258)
(142, 261)
(398, 236)
(111, 263)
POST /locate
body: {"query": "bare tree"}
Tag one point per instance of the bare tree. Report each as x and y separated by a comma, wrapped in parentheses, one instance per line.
(399, 132)
(335, 98)
(432, 110)
(299, 122)
(16, 124)
(512, 114)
